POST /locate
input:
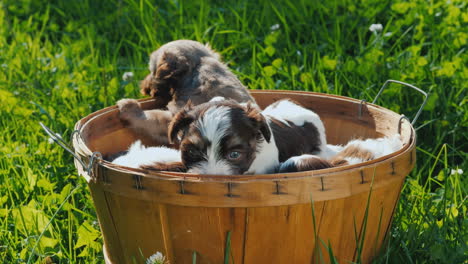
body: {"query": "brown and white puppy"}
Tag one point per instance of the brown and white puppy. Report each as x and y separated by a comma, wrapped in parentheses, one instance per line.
(180, 71)
(225, 137)
(354, 152)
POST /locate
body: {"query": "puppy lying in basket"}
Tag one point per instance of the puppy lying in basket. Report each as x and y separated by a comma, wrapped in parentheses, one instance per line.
(224, 137)
(180, 70)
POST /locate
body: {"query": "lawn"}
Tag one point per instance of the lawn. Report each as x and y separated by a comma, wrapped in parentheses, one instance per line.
(62, 60)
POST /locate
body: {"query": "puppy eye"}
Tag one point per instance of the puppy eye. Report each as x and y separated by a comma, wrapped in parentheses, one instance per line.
(234, 155)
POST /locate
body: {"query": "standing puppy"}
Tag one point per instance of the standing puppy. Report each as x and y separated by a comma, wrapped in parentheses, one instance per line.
(181, 70)
(225, 137)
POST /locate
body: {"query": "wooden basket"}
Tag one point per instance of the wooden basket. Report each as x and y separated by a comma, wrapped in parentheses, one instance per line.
(276, 218)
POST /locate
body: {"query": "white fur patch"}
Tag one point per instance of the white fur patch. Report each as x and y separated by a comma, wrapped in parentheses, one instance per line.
(286, 110)
(330, 151)
(379, 147)
(266, 159)
(214, 125)
(139, 155)
(298, 160)
(217, 99)
(353, 160)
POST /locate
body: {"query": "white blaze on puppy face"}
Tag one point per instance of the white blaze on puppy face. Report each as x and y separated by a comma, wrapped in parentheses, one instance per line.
(213, 126)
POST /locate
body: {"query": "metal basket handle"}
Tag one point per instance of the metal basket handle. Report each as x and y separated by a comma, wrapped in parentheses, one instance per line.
(407, 85)
(92, 160)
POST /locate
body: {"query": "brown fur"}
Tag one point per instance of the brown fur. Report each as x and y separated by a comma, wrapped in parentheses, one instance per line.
(314, 164)
(145, 124)
(304, 163)
(254, 114)
(182, 70)
(351, 152)
(171, 166)
(339, 162)
(294, 140)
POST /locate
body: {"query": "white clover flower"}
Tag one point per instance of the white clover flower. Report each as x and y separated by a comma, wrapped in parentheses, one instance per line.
(375, 28)
(156, 258)
(457, 171)
(127, 76)
(274, 27)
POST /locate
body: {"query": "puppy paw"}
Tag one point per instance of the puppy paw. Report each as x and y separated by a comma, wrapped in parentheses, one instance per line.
(304, 163)
(129, 110)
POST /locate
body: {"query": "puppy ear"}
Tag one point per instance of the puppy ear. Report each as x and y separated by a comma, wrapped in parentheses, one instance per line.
(180, 121)
(151, 88)
(146, 85)
(258, 120)
(189, 105)
(171, 67)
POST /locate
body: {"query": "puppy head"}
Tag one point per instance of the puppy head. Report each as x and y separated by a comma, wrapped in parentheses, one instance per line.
(167, 70)
(171, 63)
(220, 137)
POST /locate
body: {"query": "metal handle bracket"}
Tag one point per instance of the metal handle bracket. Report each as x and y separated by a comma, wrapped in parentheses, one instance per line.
(59, 140)
(407, 85)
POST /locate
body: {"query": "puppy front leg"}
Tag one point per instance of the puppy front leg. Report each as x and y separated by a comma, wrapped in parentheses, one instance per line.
(304, 162)
(151, 124)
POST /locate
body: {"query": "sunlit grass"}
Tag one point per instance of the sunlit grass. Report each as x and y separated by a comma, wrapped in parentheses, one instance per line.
(61, 60)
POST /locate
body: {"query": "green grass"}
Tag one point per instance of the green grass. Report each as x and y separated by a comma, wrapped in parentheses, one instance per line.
(61, 60)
